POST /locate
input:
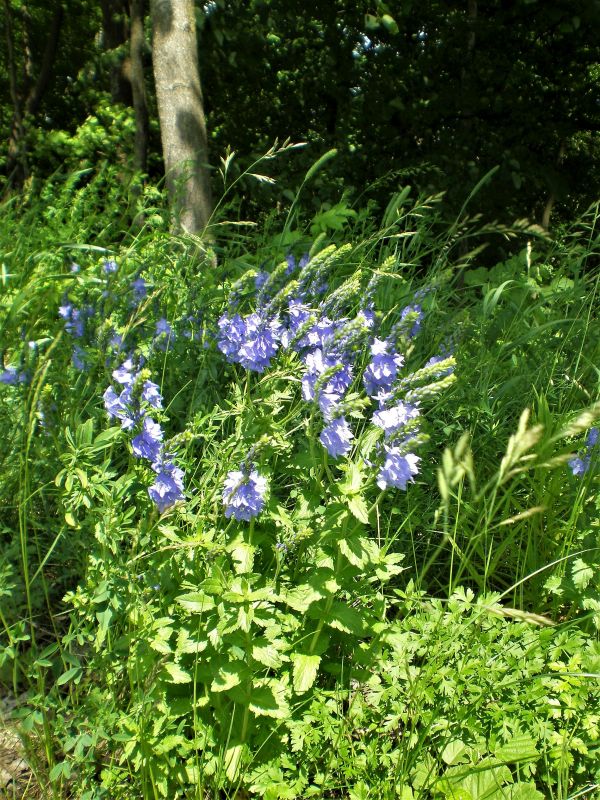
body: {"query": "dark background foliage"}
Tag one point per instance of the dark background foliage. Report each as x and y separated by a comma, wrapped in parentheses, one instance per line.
(434, 94)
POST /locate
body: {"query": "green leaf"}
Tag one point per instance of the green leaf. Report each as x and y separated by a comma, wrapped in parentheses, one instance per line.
(359, 551)
(168, 743)
(354, 480)
(269, 700)
(60, 770)
(233, 758)
(176, 674)
(196, 602)
(519, 748)
(267, 654)
(305, 671)
(455, 752)
(390, 24)
(107, 438)
(73, 674)
(582, 573)
(345, 619)
(228, 676)
(358, 507)
(242, 554)
(525, 791)
(300, 598)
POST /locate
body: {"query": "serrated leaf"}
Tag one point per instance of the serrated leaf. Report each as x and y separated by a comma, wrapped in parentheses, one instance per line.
(359, 551)
(196, 602)
(161, 646)
(305, 668)
(300, 598)
(582, 573)
(168, 743)
(519, 748)
(268, 655)
(269, 700)
(359, 509)
(354, 480)
(176, 674)
(186, 644)
(242, 554)
(345, 619)
(454, 752)
(228, 676)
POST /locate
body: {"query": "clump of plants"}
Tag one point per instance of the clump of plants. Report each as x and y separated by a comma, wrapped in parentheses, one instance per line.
(289, 569)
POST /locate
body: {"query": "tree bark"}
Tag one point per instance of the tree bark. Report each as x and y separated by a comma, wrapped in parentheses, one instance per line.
(181, 112)
(140, 106)
(552, 196)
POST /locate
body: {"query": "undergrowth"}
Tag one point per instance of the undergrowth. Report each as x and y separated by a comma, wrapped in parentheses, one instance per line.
(311, 513)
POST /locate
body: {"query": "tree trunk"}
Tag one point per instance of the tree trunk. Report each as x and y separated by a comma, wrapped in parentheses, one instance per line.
(181, 112)
(136, 14)
(549, 207)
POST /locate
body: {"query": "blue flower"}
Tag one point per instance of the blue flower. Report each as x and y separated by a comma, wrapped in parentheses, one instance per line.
(398, 469)
(78, 358)
(317, 364)
(11, 376)
(125, 374)
(163, 328)
(147, 444)
(260, 343)
(140, 289)
(110, 266)
(298, 314)
(231, 335)
(167, 488)
(581, 464)
(329, 403)
(395, 418)
(412, 314)
(151, 394)
(291, 264)
(120, 406)
(74, 321)
(244, 494)
(261, 278)
(337, 437)
(382, 370)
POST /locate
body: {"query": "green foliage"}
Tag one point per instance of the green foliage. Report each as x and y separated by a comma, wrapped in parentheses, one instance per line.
(347, 642)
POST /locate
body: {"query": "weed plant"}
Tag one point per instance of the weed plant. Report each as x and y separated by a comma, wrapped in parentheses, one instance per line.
(314, 514)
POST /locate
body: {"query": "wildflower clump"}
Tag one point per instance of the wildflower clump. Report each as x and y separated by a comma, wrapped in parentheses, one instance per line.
(130, 406)
(338, 352)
